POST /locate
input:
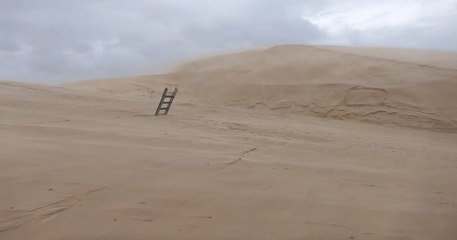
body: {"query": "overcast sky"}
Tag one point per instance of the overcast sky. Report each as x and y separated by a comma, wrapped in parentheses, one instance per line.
(52, 41)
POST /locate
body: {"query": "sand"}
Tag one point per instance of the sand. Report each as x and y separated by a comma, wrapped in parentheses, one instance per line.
(289, 142)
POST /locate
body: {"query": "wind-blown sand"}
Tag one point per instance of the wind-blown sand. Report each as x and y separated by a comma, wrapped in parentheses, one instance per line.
(290, 142)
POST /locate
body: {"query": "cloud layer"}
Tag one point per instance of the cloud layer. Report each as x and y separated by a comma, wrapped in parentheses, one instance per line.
(407, 23)
(51, 41)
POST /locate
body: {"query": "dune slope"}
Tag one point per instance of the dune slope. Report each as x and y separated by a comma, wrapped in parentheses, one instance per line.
(407, 88)
(272, 143)
(89, 165)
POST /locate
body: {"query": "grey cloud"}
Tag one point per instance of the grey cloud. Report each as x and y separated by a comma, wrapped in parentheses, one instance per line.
(440, 36)
(51, 41)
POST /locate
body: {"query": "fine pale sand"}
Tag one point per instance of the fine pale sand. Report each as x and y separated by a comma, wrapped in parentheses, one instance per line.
(289, 142)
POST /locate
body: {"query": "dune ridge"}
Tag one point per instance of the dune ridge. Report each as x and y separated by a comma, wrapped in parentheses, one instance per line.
(358, 84)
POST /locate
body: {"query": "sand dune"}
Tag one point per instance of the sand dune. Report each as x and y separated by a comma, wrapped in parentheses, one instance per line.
(274, 143)
(362, 85)
(427, 58)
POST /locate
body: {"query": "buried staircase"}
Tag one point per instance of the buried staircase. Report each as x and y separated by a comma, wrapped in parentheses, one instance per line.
(166, 101)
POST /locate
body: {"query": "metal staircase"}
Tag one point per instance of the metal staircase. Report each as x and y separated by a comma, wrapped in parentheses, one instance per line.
(166, 101)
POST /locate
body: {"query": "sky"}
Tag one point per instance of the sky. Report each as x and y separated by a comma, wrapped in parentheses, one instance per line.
(53, 41)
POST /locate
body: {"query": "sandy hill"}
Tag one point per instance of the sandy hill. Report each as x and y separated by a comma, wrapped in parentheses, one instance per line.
(410, 88)
(250, 150)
